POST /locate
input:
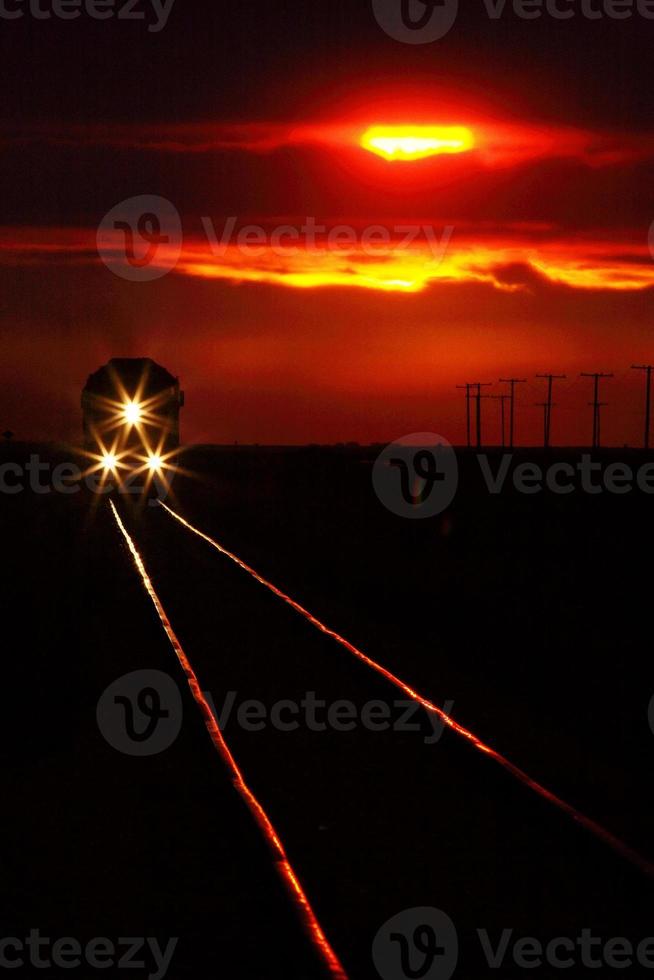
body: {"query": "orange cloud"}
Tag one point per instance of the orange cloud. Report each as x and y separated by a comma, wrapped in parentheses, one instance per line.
(514, 259)
(494, 142)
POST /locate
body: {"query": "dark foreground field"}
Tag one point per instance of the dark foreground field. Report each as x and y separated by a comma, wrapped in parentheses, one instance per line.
(532, 614)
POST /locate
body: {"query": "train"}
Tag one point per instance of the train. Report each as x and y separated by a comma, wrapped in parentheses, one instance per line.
(130, 417)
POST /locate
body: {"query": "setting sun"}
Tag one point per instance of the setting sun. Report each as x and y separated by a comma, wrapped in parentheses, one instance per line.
(416, 142)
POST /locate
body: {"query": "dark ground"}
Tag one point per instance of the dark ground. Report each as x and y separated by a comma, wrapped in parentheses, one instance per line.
(531, 613)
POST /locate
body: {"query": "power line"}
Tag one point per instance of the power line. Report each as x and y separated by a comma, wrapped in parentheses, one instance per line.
(548, 407)
(467, 388)
(547, 411)
(478, 398)
(596, 404)
(648, 368)
(502, 400)
(513, 382)
(599, 421)
(473, 394)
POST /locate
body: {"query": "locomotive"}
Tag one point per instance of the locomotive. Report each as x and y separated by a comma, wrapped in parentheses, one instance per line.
(130, 414)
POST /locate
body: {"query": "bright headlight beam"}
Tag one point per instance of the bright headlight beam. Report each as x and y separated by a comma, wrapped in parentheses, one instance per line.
(109, 462)
(132, 413)
(416, 142)
(155, 463)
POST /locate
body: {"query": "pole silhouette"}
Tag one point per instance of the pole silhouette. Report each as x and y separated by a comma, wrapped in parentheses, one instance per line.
(648, 368)
(467, 388)
(502, 400)
(551, 378)
(479, 385)
(513, 382)
(600, 405)
(596, 404)
(547, 411)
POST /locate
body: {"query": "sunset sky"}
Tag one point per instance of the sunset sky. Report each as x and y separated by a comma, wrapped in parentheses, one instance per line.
(522, 249)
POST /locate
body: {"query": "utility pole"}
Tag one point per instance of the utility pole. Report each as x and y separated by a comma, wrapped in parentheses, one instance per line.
(547, 409)
(551, 378)
(467, 388)
(502, 399)
(596, 404)
(600, 405)
(479, 385)
(513, 382)
(648, 397)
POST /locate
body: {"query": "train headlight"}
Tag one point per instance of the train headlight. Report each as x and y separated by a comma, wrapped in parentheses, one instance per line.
(132, 413)
(109, 462)
(155, 463)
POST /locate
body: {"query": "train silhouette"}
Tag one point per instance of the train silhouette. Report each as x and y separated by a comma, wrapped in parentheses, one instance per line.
(130, 416)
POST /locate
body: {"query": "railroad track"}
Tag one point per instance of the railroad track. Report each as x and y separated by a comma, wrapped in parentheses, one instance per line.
(291, 880)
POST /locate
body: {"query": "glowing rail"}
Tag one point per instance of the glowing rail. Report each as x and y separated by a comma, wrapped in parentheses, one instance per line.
(596, 829)
(287, 874)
